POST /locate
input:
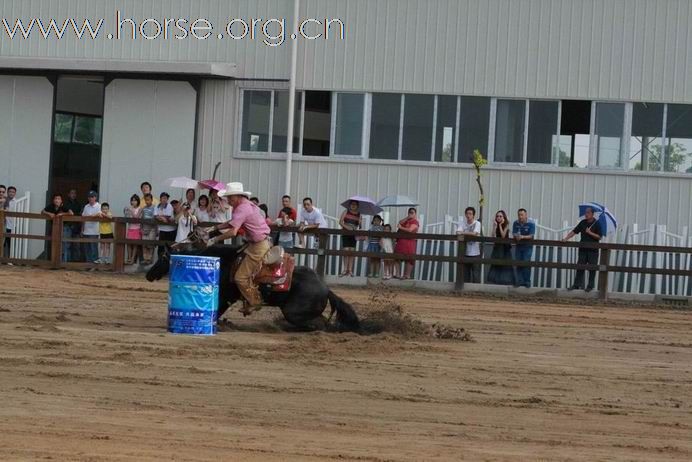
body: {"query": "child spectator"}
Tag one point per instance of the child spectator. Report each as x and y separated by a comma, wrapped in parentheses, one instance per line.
(285, 238)
(185, 219)
(374, 246)
(146, 189)
(148, 230)
(202, 211)
(134, 230)
(105, 232)
(387, 245)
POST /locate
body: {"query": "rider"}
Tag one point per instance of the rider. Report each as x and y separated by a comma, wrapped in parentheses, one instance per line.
(246, 216)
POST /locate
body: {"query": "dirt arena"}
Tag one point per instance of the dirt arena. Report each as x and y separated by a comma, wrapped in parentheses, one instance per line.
(87, 372)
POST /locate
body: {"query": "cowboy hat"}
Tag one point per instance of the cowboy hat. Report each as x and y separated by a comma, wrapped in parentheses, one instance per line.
(234, 189)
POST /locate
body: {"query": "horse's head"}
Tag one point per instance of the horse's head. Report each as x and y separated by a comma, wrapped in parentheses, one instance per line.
(161, 267)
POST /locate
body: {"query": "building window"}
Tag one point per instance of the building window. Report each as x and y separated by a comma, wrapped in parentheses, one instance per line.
(543, 129)
(317, 124)
(256, 118)
(87, 130)
(418, 127)
(474, 124)
(509, 130)
(63, 128)
(348, 136)
(280, 122)
(678, 155)
(575, 138)
(646, 140)
(384, 126)
(610, 123)
(446, 128)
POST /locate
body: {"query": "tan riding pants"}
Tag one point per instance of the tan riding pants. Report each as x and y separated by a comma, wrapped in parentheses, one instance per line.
(249, 267)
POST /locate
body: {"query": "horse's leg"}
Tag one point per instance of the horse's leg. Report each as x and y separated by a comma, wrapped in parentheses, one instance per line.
(301, 309)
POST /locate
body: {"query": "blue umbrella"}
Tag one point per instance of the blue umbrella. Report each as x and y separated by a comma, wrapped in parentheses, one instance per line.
(606, 220)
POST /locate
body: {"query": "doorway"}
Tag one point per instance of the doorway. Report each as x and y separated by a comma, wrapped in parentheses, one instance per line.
(77, 134)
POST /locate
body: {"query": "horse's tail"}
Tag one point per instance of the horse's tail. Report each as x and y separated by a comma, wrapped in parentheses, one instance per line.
(346, 317)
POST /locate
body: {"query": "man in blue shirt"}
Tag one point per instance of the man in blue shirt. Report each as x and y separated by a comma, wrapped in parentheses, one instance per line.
(523, 230)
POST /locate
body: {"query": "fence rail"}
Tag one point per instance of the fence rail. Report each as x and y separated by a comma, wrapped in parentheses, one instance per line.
(614, 258)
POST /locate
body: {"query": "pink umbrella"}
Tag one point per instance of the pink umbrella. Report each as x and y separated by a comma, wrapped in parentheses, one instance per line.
(212, 184)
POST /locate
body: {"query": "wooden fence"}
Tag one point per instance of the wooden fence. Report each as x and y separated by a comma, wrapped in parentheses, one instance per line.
(605, 268)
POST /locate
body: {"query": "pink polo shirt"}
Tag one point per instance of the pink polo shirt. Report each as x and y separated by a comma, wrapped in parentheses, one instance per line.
(249, 217)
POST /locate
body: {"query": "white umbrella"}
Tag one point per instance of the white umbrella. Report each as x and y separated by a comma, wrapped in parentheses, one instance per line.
(182, 182)
(398, 201)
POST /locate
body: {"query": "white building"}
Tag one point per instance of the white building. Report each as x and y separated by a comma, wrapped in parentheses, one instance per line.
(570, 101)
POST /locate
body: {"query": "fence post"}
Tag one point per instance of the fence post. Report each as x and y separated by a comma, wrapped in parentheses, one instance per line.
(603, 263)
(119, 248)
(56, 243)
(461, 252)
(323, 241)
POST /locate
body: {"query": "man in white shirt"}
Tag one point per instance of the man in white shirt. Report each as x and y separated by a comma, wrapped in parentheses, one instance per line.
(310, 217)
(166, 217)
(471, 227)
(90, 229)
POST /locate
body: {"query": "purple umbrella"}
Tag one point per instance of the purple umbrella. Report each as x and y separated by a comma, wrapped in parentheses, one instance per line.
(212, 184)
(366, 206)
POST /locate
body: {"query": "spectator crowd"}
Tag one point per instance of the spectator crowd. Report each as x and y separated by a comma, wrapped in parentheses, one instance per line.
(173, 220)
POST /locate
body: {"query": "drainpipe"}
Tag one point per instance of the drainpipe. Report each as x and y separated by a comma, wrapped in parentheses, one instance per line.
(292, 97)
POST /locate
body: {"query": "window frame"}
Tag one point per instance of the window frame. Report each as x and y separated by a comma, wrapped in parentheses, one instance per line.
(270, 133)
(592, 164)
(493, 125)
(364, 146)
(624, 136)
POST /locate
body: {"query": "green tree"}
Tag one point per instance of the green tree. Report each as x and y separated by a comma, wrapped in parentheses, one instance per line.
(677, 157)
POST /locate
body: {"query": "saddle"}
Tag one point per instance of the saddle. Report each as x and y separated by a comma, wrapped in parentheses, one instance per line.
(276, 272)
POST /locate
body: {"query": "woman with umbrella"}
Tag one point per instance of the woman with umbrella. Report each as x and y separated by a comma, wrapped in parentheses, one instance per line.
(407, 246)
(409, 224)
(350, 220)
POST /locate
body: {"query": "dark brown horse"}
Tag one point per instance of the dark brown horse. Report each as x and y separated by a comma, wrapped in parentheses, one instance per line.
(303, 306)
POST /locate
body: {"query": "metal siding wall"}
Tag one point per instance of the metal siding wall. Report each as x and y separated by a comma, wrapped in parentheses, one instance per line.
(25, 130)
(617, 49)
(254, 58)
(148, 133)
(614, 49)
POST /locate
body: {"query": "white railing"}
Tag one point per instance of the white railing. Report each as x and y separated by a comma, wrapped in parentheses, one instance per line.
(19, 248)
(548, 278)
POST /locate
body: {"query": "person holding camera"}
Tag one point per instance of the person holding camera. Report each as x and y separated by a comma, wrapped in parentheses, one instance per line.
(185, 219)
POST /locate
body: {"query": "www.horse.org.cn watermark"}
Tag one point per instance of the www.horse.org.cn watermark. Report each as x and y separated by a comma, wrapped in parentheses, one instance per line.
(272, 32)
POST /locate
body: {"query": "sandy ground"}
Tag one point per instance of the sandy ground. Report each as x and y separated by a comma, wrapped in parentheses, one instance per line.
(87, 372)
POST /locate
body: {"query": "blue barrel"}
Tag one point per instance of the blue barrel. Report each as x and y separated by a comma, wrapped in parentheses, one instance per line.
(193, 294)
